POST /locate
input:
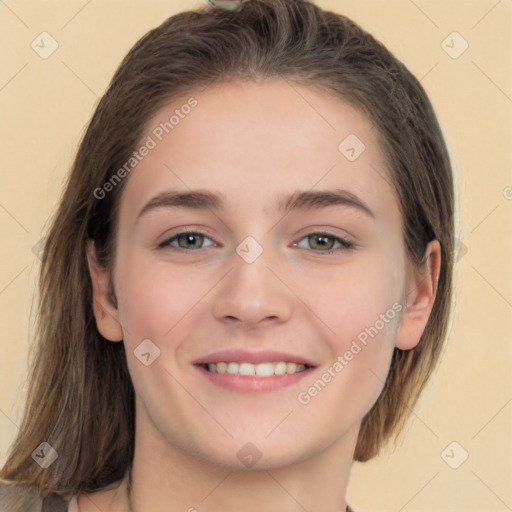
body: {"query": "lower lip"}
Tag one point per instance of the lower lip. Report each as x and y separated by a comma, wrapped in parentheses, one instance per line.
(246, 384)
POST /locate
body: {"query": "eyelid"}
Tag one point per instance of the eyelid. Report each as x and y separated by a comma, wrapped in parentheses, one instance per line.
(346, 244)
(329, 231)
(181, 231)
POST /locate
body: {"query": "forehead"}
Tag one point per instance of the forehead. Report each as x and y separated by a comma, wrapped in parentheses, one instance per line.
(254, 141)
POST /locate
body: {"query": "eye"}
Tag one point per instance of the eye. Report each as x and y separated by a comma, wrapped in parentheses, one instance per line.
(190, 241)
(321, 240)
(185, 239)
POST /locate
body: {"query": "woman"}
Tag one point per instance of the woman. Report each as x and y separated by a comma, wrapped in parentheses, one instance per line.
(248, 280)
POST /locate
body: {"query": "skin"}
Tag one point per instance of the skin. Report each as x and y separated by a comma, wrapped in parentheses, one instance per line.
(253, 142)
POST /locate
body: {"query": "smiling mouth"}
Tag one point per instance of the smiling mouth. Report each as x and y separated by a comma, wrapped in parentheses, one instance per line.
(255, 370)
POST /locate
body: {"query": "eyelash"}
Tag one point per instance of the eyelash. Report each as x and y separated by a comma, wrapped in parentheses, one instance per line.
(345, 244)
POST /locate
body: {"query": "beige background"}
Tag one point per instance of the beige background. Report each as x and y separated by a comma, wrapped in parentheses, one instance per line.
(46, 103)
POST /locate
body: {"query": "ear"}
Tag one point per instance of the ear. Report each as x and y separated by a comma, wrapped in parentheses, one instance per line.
(104, 307)
(421, 288)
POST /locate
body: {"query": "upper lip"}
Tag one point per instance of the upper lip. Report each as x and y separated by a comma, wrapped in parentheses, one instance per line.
(243, 356)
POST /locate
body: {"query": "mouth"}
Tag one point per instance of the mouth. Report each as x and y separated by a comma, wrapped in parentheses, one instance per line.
(264, 370)
(247, 372)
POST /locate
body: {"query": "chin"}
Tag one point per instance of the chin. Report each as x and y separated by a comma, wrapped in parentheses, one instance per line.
(256, 455)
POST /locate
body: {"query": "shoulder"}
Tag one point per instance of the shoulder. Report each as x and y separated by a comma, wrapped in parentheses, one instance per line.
(19, 497)
(16, 497)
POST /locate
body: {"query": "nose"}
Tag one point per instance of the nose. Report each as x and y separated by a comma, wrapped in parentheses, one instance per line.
(252, 293)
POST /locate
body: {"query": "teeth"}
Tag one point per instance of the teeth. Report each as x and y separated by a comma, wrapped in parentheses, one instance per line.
(260, 370)
(233, 368)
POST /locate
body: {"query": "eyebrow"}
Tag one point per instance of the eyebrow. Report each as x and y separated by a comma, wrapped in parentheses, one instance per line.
(298, 201)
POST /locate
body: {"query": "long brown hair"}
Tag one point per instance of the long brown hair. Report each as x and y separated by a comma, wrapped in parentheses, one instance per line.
(80, 395)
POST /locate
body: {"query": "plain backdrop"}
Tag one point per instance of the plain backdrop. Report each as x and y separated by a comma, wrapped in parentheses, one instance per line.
(466, 411)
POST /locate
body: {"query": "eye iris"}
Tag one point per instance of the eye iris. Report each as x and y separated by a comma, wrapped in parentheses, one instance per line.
(322, 237)
(189, 238)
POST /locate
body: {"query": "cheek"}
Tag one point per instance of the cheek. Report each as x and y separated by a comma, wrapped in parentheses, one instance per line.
(360, 307)
(157, 303)
(355, 300)
(156, 296)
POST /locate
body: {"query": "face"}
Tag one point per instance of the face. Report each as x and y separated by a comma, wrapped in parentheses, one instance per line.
(320, 283)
